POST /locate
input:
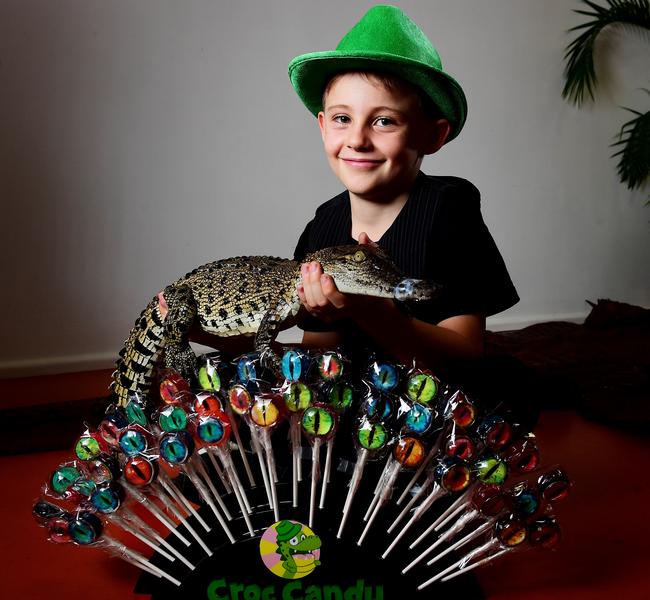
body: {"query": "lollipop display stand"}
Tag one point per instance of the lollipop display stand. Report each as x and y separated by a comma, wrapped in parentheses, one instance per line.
(331, 480)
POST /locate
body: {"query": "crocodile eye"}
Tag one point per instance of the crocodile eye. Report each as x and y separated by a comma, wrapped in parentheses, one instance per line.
(359, 256)
(303, 537)
(294, 541)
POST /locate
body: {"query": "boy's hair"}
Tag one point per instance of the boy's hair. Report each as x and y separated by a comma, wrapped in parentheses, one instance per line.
(391, 82)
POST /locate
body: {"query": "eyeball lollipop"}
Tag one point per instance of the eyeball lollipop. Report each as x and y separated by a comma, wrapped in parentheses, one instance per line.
(372, 438)
(295, 365)
(421, 387)
(319, 423)
(330, 366)
(383, 376)
(172, 386)
(297, 397)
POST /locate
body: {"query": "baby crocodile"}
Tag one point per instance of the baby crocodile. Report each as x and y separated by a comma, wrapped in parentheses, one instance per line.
(246, 295)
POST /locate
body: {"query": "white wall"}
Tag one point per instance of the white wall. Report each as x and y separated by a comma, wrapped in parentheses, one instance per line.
(139, 139)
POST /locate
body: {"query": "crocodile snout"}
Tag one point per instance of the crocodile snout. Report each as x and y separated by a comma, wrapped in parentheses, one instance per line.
(415, 289)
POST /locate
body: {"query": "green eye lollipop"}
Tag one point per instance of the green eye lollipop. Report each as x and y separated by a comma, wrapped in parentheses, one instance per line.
(422, 387)
(318, 421)
(372, 436)
(297, 397)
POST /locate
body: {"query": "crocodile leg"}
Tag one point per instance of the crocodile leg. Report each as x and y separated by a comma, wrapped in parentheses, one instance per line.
(266, 334)
(180, 316)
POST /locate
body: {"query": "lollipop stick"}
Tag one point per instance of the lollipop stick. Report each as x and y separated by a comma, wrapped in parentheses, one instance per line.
(138, 522)
(257, 449)
(156, 512)
(478, 563)
(393, 472)
(461, 542)
(229, 466)
(443, 538)
(198, 465)
(294, 431)
(126, 526)
(375, 498)
(171, 489)
(453, 530)
(463, 561)
(419, 511)
(326, 474)
(119, 549)
(354, 485)
(242, 451)
(236, 486)
(420, 470)
(225, 480)
(411, 502)
(184, 521)
(458, 505)
(203, 492)
(270, 463)
(315, 476)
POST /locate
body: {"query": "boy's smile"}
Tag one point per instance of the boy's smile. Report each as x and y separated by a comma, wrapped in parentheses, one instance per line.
(374, 137)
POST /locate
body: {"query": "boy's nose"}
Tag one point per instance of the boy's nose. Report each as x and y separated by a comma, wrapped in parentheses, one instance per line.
(358, 138)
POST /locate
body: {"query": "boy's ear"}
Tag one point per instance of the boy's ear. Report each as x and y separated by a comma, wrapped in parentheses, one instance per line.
(436, 134)
(321, 121)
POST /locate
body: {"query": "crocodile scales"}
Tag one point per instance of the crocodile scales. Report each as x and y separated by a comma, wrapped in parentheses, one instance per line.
(245, 296)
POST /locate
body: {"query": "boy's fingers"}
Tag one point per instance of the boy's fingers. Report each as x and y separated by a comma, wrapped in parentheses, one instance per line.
(331, 292)
(364, 239)
(313, 290)
(162, 303)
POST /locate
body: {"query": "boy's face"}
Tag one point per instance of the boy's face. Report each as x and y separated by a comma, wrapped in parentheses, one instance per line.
(375, 137)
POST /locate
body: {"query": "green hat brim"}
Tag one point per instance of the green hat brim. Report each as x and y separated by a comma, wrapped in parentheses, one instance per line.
(289, 530)
(309, 74)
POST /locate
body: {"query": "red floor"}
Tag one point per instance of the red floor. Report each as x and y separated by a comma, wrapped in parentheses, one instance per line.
(604, 553)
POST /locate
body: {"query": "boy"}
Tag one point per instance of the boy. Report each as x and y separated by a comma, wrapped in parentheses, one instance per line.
(383, 103)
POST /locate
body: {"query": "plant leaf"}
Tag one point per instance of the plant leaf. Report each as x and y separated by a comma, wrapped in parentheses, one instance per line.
(580, 72)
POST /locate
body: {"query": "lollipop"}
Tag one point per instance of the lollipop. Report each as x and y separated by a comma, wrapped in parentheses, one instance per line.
(264, 415)
(507, 532)
(371, 439)
(486, 502)
(213, 430)
(177, 449)
(319, 423)
(408, 453)
(297, 397)
(451, 475)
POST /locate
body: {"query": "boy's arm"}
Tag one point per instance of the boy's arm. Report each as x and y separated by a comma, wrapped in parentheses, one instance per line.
(404, 337)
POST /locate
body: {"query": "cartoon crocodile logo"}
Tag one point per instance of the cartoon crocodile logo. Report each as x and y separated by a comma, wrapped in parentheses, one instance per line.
(298, 549)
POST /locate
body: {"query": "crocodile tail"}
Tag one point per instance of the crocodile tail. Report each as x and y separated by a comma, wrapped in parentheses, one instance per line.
(140, 354)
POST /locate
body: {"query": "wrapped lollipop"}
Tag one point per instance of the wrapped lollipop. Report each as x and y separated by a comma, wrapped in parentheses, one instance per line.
(457, 443)
(422, 390)
(451, 476)
(543, 533)
(371, 438)
(264, 415)
(485, 502)
(297, 396)
(213, 430)
(507, 532)
(526, 503)
(319, 422)
(85, 528)
(408, 453)
(177, 449)
(213, 377)
(108, 500)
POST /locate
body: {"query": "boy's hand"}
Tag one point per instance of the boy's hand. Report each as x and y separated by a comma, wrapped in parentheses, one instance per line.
(320, 296)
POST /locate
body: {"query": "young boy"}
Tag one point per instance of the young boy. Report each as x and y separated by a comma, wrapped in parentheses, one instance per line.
(383, 103)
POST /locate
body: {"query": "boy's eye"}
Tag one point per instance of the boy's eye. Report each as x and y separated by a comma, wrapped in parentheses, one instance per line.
(384, 122)
(341, 119)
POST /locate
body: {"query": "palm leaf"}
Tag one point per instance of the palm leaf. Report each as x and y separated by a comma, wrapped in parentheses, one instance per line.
(634, 140)
(580, 72)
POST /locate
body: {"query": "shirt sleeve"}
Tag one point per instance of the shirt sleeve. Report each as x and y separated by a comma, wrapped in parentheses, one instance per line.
(471, 269)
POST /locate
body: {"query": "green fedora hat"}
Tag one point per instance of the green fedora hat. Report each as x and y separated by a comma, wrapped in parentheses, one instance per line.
(386, 40)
